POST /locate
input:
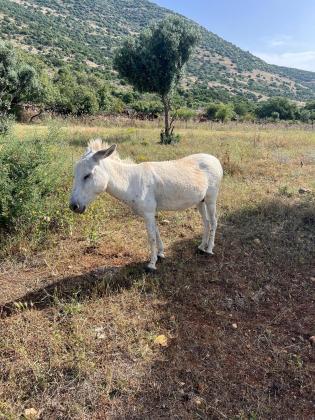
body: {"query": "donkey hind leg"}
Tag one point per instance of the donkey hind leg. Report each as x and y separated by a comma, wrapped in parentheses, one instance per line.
(211, 212)
(160, 246)
(152, 237)
(206, 227)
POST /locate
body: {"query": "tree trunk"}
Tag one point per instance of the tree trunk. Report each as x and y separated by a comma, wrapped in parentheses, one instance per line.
(166, 104)
(36, 115)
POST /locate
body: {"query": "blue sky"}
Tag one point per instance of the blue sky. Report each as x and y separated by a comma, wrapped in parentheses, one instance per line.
(279, 31)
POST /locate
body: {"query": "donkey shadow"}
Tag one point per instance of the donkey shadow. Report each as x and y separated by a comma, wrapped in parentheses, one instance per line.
(90, 284)
(237, 236)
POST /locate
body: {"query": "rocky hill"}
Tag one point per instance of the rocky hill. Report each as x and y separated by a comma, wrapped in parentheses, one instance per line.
(86, 33)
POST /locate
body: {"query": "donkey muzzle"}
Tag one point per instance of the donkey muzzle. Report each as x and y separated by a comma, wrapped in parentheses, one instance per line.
(76, 208)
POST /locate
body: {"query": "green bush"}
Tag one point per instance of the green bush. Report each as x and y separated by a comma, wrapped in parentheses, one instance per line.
(225, 112)
(310, 106)
(184, 114)
(285, 109)
(169, 139)
(18, 82)
(34, 181)
(211, 111)
(6, 122)
(242, 108)
(86, 101)
(305, 115)
(275, 116)
(148, 107)
(220, 112)
(117, 106)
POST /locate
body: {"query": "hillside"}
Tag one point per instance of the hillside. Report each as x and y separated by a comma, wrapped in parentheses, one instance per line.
(87, 32)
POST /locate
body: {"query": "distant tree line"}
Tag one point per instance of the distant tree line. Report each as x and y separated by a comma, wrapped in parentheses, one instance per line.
(272, 109)
(25, 79)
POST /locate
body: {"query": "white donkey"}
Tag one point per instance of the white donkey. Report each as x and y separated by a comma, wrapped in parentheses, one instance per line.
(151, 186)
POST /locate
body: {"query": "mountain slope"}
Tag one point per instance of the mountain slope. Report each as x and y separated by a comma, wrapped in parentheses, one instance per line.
(86, 32)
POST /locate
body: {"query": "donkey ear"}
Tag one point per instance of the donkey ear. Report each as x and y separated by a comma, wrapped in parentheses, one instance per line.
(102, 154)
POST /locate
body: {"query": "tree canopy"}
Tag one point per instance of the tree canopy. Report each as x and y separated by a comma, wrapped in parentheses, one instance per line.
(153, 61)
(18, 82)
(282, 107)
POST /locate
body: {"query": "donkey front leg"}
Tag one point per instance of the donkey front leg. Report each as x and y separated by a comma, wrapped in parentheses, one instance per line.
(152, 236)
(160, 245)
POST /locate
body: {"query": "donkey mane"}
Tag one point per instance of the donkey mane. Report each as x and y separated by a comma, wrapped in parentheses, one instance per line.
(94, 145)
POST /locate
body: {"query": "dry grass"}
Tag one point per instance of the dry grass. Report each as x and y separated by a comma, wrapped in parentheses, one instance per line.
(80, 317)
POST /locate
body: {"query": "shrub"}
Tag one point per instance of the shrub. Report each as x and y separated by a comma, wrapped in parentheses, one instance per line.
(305, 115)
(242, 108)
(286, 109)
(18, 83)
(225, 112)
(6, 122)
(211, 111)
(184, 114)
(117, 106)
(104, 98)
(148, 108)
(169, 139)
(310, 106)
(86, 101)
(275, 116)
(33, 178)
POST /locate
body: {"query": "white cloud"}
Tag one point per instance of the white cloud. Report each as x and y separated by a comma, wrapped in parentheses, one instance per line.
(277, 43)
(304, 60)
(280, 41)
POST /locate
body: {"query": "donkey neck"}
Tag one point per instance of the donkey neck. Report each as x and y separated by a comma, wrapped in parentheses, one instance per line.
(120, 176)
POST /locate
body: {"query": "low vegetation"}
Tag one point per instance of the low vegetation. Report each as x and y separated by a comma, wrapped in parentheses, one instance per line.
(85, 333)
(34, 183)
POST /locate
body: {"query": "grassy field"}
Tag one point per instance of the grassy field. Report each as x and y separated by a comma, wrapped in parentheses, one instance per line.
(86, 334)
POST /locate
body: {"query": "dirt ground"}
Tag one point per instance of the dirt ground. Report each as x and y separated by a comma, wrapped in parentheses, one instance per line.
(238, 324)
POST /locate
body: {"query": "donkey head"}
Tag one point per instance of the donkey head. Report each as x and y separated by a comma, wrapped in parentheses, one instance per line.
(90, 178)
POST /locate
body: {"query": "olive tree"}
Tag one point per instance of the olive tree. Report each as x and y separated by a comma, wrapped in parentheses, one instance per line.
(283, 108)
(18, 82)
(153, 61)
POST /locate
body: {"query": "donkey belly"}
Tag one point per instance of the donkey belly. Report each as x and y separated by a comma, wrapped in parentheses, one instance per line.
(179, 199)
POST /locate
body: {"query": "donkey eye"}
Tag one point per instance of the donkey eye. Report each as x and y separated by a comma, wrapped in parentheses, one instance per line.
(86, 177)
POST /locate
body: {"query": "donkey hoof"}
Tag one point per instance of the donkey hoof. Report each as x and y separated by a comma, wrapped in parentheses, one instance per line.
(203, 252)
(149, 270)
(160, 257)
